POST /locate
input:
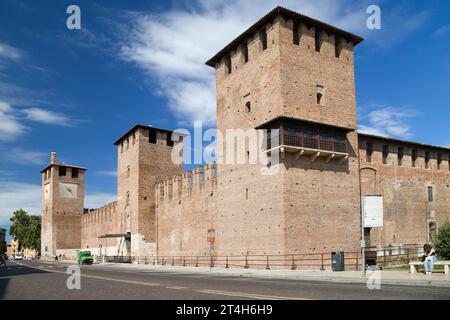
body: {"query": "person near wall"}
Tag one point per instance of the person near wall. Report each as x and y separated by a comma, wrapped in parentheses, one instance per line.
(3, 260)
(429, 258)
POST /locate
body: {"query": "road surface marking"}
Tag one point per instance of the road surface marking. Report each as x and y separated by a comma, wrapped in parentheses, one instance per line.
(176, 288)
(148, 284)
(250, 295)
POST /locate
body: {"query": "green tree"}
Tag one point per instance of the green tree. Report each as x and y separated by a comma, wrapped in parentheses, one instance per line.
(26, 230)
(34, 233)
(443, 241)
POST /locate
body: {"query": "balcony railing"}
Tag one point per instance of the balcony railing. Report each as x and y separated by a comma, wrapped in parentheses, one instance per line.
(317, 143)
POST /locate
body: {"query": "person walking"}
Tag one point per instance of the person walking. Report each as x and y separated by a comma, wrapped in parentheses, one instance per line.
(3, 260)
(429, 258)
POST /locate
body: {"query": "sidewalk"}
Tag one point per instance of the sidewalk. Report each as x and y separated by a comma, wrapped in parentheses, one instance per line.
(387, 277)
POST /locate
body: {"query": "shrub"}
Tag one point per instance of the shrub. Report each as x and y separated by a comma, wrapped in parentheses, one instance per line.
(443, 241)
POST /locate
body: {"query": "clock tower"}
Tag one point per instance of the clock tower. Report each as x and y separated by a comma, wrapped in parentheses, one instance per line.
(62, 206)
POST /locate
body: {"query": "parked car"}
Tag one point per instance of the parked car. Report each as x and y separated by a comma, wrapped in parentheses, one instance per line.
(29, 258)
(18, 256)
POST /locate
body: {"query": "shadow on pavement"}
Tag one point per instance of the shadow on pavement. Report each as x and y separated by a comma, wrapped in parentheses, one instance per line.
(11, 271)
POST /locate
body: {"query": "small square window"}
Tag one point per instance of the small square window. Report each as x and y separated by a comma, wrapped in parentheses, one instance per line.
(62, 171)
(152, 136)
(75, 173)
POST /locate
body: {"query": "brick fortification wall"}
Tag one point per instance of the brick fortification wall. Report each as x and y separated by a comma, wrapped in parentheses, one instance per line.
(100, 222)
(408, 210)
(305, 207)
(287, 72)
(186, 207)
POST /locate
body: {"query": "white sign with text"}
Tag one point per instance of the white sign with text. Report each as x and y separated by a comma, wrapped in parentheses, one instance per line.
(372, 211)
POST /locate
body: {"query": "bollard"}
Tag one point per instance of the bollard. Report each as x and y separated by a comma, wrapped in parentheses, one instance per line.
(226, 266)
(322, 267)
(196, 263)
(293, 263)
(267, 263)
(246, 262)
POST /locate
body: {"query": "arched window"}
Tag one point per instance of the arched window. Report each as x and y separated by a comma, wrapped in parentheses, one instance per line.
(248, 107)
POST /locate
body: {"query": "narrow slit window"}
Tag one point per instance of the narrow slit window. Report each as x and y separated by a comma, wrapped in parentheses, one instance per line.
(296, 34)
(430, 194)
(317, 40)
(414, 158)
(169, 139)
(245, 52)
(400, 154)
(319, 95)
(427, 160)
(439, 161)
(385, 153)
(319, 98)
(246, 194)
(248, 107)
(337, 47)
(369, 152)
(263, 38)
(228, 64)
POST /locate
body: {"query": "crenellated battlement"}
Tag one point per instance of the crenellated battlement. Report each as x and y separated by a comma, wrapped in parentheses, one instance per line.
(305, 32)
(191, 182)
(99, 215)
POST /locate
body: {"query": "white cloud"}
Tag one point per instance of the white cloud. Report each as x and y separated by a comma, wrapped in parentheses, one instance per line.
(22, 156)
(98, 199)
(10, 126)
(17, 195)
(172, 47)
(388, 122)
(45, 116)
(12, 120)
(442, 31)
(112, 173)
(9, 52)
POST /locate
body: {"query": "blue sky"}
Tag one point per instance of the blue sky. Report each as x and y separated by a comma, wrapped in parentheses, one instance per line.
(76, 91)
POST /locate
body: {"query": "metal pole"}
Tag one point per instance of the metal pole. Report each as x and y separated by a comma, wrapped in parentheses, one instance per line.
(363, 245)
(361, 205)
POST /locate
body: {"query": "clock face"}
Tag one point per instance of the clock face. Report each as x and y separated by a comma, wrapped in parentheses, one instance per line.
(68, 190)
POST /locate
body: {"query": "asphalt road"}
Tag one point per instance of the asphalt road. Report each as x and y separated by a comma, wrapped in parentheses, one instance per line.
(43, 280)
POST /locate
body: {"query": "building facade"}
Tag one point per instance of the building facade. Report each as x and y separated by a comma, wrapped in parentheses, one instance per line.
(292, 78)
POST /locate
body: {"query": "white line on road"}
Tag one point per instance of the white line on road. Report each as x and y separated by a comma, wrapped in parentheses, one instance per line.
(250, 295)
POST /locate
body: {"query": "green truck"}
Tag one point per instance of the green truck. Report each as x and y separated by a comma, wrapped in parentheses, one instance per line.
(85, 257)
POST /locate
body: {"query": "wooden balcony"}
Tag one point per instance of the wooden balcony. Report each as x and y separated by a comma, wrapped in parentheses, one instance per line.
(314, 147)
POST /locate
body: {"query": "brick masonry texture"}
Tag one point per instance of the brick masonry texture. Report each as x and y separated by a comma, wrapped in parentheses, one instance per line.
(308, 206)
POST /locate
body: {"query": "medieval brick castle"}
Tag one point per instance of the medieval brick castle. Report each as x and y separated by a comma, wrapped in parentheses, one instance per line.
(286, 72)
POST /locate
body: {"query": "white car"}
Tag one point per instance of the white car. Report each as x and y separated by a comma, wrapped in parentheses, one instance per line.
(18, 257)
(29, 258)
